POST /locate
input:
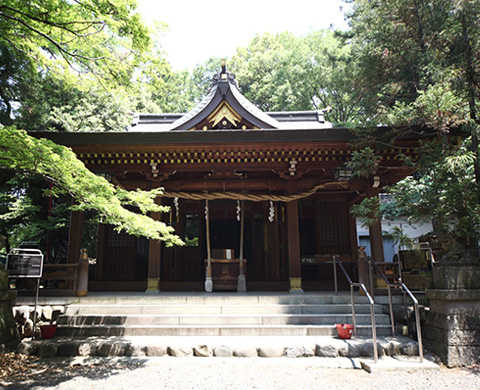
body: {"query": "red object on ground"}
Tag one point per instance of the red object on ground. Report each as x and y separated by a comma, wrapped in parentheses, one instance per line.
(48, 331)
(344, 330)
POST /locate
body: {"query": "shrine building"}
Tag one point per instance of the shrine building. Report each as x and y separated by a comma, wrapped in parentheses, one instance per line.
(261, 199)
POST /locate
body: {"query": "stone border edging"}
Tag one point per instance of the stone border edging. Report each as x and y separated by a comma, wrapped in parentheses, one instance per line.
(329, 347)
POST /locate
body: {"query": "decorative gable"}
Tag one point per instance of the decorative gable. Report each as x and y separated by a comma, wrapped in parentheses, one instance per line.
(225, 107)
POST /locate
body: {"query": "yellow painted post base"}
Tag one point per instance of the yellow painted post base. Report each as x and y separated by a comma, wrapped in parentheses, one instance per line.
(81, 293)
(152, 285)
(296, 285)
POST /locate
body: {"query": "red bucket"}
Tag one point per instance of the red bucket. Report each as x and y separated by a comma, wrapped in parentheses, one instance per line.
(48, 331)
(344, 330)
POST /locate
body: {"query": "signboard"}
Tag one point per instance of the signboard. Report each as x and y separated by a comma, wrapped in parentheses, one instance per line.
(416, 259)
(25, 263)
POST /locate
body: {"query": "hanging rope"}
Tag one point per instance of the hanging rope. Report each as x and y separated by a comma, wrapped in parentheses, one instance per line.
(251, 197)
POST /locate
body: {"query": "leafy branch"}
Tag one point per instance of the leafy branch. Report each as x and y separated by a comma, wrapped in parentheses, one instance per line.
(59, 165)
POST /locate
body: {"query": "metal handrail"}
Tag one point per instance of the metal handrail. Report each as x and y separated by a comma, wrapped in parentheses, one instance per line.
(417, 319)
(389, 287)
(352, 303)
(404, 289)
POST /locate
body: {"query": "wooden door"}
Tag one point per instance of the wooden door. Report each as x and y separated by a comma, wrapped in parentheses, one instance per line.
(120, 255)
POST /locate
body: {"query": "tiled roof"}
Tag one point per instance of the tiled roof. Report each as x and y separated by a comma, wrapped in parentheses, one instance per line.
(224, 88)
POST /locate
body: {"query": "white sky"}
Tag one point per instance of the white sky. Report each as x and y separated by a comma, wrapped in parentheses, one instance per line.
(201, 29)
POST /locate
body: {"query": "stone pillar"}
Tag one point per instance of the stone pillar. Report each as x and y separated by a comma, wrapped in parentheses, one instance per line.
(154, 254)
(452, 329)
(294, 261)
(82, 287)
(8, 329)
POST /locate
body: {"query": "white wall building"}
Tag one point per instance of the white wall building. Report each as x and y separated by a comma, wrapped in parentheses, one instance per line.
(412, 230)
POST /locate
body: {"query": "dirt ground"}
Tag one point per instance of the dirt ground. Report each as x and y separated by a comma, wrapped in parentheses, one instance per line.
(18, 372)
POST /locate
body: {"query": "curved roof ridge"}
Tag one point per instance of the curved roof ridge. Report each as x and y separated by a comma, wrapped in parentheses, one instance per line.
(225, 88)
(254, 110)
(177, 125)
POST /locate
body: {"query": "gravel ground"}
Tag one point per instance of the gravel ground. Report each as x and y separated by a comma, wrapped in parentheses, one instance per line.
(232, 374)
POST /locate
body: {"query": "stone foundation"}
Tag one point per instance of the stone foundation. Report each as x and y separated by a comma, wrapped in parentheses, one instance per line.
(241, 347)
(452, 328)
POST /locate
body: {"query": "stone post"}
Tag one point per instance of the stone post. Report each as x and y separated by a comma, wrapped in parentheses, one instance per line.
(82, 287)
(452, 329)
(241, 282)
(8, 330)
(363, 267)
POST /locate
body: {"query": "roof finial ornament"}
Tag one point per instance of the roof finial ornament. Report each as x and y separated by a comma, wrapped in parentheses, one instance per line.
(224, 75)
(223, 62)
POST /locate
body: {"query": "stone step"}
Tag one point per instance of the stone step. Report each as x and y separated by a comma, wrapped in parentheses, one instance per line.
(205, 299)
(204, 330)
(224, 319)
(220, 309)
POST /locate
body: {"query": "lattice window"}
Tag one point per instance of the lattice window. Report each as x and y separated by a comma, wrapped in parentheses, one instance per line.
(122, 239)
(333, 228)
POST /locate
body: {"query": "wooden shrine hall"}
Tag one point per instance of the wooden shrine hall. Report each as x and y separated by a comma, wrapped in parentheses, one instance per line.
(261, 199)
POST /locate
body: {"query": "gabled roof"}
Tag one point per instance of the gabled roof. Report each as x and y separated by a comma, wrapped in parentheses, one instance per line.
(224, 107)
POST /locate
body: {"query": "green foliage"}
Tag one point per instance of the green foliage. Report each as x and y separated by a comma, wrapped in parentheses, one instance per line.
(154, 79)
(26, 214)
(400, 238)
(69, 66)
(438, 107)
(363, 162)
(416, 59)
(368, 210)
(445, 190)
(418, 62)
(191, 241)
(22, 153)
(287, 73)
(268, 70)
(95, 36)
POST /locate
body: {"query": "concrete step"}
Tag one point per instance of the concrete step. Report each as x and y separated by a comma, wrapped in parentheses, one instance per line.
(116, 298)
(219, 309)
(213, 330)
(218, 315)
(225, 319)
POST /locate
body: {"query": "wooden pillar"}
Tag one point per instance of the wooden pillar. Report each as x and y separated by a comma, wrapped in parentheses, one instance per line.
(353, 241)
(101, 243)
(375, 233)
(154, 257)
(75, 237)
(294, 261)
(74, 242)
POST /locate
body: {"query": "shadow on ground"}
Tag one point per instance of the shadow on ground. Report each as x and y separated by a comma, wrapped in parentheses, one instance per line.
(19, 372)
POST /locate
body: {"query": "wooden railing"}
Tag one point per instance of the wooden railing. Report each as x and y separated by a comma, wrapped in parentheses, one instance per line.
(62, 272)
